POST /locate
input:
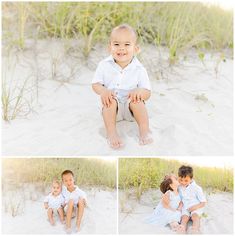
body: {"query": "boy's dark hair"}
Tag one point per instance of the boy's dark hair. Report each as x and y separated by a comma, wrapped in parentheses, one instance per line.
(185, 171)
(67, 172)
(125, 26)
(165, 184)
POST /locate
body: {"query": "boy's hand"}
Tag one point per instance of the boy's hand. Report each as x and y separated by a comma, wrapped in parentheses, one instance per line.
(107, 97)
(195, 207)
(136, 95)
(46, 205)
(191, 209)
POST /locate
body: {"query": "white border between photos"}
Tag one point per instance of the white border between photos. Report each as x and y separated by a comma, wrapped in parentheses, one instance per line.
(117, 158)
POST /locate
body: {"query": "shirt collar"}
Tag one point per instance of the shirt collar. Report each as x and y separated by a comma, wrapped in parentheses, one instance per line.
(191, 184)
(134, 62)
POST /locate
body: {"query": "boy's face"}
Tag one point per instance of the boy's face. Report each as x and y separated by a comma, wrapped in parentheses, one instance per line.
(123, 46)
(184, 181)
(68, 181)
(56, 189)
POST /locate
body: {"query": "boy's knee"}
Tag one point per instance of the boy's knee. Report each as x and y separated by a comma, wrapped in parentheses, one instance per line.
(184, 218)
(137, 105)
(195, 216)
(113, 105)
(81, 203)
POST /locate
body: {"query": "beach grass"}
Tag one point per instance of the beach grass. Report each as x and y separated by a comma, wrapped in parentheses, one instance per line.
(88, 172)
(176, 25)
(146, 173)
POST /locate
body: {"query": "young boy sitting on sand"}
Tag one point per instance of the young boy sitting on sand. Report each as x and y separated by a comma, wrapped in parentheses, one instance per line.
(75, 200)
(123, 85)
(193, 199)
(54, 202)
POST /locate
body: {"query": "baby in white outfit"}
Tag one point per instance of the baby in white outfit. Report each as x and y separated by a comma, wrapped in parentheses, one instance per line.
(54, 202)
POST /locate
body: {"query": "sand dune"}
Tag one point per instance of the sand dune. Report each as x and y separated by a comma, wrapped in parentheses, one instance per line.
(99, 217)
(218, 218)
(190, 112)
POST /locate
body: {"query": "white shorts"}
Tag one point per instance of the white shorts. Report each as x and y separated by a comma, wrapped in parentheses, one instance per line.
(123, 111)
(199, 212)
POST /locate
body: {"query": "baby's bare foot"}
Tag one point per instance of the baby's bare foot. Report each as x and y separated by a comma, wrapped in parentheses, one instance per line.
(145, 137)
(62, 221)
(52, 222)
(114, 141)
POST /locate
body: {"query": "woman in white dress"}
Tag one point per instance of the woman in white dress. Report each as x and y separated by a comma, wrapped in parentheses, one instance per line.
(168, 212)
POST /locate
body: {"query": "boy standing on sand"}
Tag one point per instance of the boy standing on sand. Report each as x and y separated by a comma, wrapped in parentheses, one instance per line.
(75, 200)
(192, 197)
(123, 85)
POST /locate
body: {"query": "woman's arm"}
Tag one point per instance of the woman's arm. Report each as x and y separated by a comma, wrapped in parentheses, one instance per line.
(166, 202)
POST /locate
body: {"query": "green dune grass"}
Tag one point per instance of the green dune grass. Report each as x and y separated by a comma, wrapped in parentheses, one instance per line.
(88, 172)
(145, 173)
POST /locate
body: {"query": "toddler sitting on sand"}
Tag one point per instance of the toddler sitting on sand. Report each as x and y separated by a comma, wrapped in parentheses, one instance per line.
(123, 85)
(54, 202)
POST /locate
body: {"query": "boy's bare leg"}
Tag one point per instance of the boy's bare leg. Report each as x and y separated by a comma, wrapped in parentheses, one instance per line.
(69, 214)
(109, 116)
(184, 222)
(50, 216)
(80, 211)
(61, 214)
(196, 223)
(141, 116)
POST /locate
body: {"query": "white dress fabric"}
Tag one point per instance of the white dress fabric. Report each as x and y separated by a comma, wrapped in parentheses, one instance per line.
(163, 216)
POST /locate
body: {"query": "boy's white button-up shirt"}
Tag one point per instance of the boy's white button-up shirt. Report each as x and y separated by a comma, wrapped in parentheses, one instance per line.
(121, 81)
(191, 195)
(54, 202)
(74, 195)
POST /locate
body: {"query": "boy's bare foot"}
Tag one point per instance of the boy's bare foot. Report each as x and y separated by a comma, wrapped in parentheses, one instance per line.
(78, 226)
(181, 229)
(68, 230)
(145, 137)
(114, 141)
(193, 230)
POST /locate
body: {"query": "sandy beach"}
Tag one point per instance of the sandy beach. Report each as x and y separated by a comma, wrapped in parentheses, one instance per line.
(99, 218)
(190, 110)
(133, 213)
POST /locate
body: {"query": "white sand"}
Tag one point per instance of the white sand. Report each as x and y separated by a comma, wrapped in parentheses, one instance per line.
(218, 217)
(99, 216)
(190, 110)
